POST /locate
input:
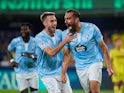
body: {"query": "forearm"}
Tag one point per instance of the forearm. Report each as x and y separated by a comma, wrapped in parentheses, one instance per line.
(105, 53)
(107, 59)
(108, 63)
(65, 64)
(9, 55)
(11, 60)
(29, 55)
(55, 50)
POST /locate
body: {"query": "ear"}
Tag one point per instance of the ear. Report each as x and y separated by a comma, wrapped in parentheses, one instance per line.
(44, 22)
(76, 20)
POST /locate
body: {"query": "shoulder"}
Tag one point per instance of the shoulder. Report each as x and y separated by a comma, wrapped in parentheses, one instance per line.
(32, 38)
(58, 31)
(122, 49)
(40, 34)
(92, 29)
(65, 31)
(17, 39)
(87, 24)
(40, 37)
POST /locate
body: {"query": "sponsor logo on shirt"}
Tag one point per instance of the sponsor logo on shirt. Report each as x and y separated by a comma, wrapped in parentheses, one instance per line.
(42, 43)
(80, 48)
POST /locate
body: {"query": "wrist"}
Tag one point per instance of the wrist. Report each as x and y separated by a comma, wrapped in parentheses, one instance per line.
(32, 56)
(65, 41)
(11, 60)
(63, 73)
(109, 66)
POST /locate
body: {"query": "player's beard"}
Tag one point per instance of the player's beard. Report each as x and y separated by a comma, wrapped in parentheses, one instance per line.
(72, 28)
(51, 30)
(26, 35)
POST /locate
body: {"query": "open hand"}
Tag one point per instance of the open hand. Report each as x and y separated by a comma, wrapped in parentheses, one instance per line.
(14, 64)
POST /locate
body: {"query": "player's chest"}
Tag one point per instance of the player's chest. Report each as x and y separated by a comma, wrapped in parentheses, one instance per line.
(53, 41)
(82, 38)
(82, 42)
(25, 47)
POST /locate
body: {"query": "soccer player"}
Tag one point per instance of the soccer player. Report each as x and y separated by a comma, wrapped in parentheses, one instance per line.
(87, 49)
(50, 56)
(117, 58)
(24, 61)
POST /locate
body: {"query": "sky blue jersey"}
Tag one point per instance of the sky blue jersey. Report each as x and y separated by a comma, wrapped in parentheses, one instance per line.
(84, 47)
(26, 65)
(47, 65)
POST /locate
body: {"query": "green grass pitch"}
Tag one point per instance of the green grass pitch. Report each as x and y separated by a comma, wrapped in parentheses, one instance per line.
(75, 91)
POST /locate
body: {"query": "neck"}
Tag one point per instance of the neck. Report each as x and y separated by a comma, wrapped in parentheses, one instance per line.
(26, 39)
(49, 32)
(78, 27)
(118, 48)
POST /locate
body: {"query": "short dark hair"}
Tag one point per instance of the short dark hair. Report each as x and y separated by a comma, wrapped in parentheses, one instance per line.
(27, 24)
(45, 14)
(75, 12)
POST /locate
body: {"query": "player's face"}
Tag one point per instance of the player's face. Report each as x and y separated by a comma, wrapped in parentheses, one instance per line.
(25, 31)
(51, 23)
(118, 43)
(70, 21)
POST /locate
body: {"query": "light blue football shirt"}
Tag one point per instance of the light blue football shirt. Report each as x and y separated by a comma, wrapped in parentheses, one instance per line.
(84, 47)
(47, 65)
(26, 65)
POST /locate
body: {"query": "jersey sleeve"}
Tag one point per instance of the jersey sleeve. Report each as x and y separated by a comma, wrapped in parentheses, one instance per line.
(12, 45)
(97, 34)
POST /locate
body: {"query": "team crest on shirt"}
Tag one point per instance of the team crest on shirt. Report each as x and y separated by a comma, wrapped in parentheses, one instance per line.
(80, 48)
(42, 43)
(87, 37)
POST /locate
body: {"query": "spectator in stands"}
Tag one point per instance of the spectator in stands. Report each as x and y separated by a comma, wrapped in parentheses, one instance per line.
(5, 62)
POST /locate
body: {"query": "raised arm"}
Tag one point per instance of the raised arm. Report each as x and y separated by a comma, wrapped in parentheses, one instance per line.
(53, 51)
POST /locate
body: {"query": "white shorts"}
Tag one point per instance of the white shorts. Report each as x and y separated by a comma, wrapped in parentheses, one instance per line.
(27, 80)
(54, 84)
(94, 72)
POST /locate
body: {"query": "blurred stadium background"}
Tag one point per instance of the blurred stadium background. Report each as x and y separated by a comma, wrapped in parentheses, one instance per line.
(108, 15)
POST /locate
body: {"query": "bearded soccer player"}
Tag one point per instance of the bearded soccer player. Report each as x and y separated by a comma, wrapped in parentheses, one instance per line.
(88, 49)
